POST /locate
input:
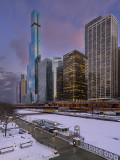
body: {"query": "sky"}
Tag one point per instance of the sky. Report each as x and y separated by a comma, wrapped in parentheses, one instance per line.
(62, 31)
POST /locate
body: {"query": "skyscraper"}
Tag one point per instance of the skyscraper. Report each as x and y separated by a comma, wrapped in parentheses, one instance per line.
(23, 88)
(59, 85)
(74, 76)
(34, 57)
(119, 72)
(57, 62)
(18, 92)
(101, 43)
(45, 87)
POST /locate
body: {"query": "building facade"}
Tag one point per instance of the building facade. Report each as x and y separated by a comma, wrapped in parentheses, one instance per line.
(34, 57)
(23, 87)
(57, 62)
(74, 76)
(101, 43)
(18, 92)
(59, 85)
(119, 72)
(45, 88)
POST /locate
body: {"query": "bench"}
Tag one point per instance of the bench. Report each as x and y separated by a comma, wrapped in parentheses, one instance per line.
(27, 144)
(21, 131)
(6, 149)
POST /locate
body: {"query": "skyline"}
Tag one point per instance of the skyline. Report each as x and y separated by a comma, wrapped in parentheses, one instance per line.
(62, 31)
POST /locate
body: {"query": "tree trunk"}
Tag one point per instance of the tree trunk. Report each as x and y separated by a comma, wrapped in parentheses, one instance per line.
(5, 129)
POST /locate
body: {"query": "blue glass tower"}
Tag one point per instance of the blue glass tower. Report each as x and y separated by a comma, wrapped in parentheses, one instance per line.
(34, 58)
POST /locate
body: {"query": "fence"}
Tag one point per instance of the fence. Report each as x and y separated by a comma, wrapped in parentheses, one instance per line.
(101, 152)
(70, 137)
(94, 116)
(66, 138)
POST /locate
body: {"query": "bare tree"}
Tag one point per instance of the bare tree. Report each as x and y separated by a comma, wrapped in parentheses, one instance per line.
(6, 114)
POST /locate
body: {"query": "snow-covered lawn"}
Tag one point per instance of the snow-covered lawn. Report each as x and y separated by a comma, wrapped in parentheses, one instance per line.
(12, 129)
(35, 152)
(9, 125)
(103, 134)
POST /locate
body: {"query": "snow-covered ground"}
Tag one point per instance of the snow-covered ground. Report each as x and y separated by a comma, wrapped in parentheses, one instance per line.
(27, 111)
(12, 129)
(9, 125)
(35, 152)
(103, 134)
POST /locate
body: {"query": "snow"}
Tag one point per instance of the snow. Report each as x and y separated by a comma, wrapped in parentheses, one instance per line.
(26, 111)
(34, 152)
(103, 134)
(77, 139)
(9, 125)
(12, 129)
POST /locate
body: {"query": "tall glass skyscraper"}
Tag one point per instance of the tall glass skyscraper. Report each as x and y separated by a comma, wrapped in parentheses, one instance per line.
(34, 57)
(45, 81)
(101, 45)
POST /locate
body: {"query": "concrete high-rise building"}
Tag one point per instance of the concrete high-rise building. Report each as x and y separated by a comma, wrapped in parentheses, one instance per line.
(74, 76)
(34, 57)
(57, 62)
(101, 43)
(59, 85)
(45, 88)
(119, 72)
(18, 92)
(23, 88)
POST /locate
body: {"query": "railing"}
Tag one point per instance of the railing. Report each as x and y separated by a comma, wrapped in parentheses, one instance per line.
(106, 117)
(66, 138)
(70, 137)
(101, 152)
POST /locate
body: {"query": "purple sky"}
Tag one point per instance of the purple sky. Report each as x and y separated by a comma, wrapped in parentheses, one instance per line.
(62, 30)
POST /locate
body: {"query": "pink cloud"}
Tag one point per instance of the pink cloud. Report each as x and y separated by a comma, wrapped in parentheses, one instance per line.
(57, 34)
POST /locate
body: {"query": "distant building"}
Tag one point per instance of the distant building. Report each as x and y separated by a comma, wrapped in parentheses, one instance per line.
(59, 83)
(57, 62)
(74, 76)
(101, 46)
(18, 92)
(34, 57)
(23, 88)
(45, 89)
